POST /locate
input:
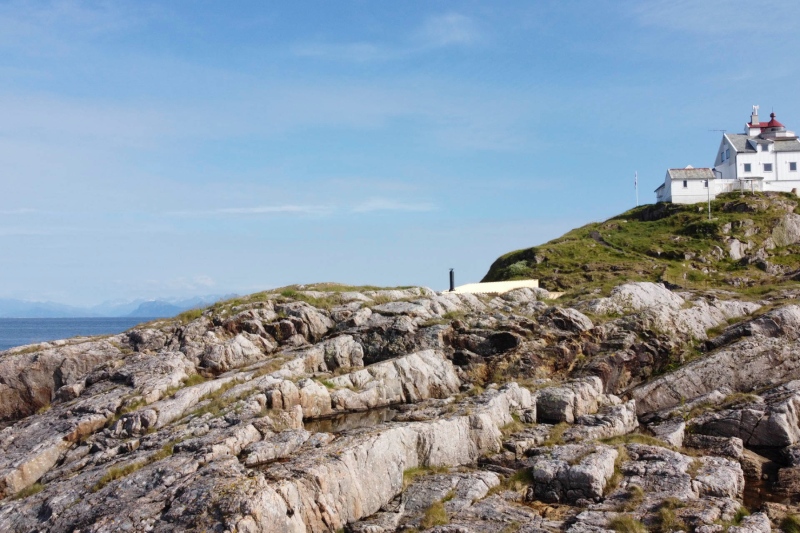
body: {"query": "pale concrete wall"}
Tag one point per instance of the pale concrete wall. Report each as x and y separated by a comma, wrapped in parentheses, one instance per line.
(497, 287)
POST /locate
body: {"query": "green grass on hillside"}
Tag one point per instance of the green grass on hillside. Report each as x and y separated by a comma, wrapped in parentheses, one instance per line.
(661, 242)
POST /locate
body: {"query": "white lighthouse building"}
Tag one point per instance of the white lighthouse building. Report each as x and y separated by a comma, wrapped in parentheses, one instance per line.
(763, 158)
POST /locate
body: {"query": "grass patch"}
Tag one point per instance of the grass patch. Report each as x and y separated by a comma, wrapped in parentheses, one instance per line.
(694, 467)
(626, 524)
(216, 403)
(520, 479)
(556, 436)
(326, 302)
(435, 515)
(740, 515)
(635, 438)
(118, 472)
(673, 503)
(189, 316)
(411, 474)
(699, 409)
(634, 496)
(36, 488)
(517, 481)
(738, 398)
(194, 379)
(268, 368)
(616, 477)
(380, 299)
(515, 426)
(662, 242)
(791, 524)
(667, 520)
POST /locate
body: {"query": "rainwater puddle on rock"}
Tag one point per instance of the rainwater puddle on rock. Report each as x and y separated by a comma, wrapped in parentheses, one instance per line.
(347, 421)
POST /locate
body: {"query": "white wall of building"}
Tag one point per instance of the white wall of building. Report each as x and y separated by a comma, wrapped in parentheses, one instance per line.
(694, 191)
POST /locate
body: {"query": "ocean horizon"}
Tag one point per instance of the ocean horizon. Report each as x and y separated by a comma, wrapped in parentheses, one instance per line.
(21, 331)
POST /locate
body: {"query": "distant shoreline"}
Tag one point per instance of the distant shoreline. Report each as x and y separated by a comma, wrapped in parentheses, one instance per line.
(15, 331)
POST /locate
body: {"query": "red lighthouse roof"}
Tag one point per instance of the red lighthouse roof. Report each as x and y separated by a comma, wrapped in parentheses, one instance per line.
(773, 123)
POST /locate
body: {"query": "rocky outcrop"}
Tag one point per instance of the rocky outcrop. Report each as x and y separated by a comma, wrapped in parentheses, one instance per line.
(412, 378)
(30, 375)
(787, 231)
(747, 364)
(610, 421)
(570, 401)
(670, 431)
(571, 473)
(634, 297)
(770, 419)
(383, 410)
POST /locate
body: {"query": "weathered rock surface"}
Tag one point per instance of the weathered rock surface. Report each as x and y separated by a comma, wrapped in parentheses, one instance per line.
(698, 492)
(637, 296)
(570, 401)
(750, 363)
(394, 409)
(412, 378)
(770, 419)
(670, 431)
(571, 473)
(610, 421)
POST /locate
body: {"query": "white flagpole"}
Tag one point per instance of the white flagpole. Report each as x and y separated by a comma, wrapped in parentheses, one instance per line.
(636, 186)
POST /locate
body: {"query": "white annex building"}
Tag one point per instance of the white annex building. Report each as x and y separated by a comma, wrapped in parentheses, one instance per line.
(763, 158)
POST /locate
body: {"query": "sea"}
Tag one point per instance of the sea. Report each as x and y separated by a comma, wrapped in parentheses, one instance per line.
(21, 331)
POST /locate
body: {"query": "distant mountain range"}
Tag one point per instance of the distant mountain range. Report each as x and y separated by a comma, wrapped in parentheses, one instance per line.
(13, 308)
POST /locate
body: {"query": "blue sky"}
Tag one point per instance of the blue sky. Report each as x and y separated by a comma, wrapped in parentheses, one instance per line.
(167, 149)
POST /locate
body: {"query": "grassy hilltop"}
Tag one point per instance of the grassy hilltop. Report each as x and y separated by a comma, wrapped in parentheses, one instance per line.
(751, 245)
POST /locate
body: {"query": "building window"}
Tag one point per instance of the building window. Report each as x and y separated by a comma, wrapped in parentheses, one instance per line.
(705, 184)
(793, 166)
(767, 167)
(747, 167)
(765, 148)
(728, 153)
(685, 184)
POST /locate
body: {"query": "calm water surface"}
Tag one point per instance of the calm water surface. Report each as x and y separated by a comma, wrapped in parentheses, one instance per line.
(19, 331)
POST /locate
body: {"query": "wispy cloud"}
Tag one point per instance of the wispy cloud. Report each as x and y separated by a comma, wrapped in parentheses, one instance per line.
(22, 232)
(259, 210)
(437, 31)
(57, 27)
(370, 205)
(384, 204)
(729, 17)
(181, 284)
(19, 211)
(450, 29)
(355, 52)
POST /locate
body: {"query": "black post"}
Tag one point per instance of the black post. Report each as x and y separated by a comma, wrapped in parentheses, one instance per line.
(452, 280)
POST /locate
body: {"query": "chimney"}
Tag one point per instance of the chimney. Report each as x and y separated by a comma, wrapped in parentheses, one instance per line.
(452, 280)
(754, 116)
